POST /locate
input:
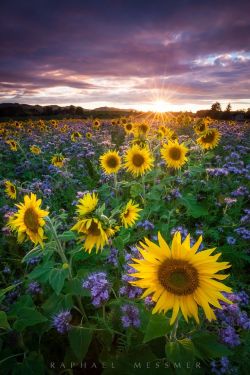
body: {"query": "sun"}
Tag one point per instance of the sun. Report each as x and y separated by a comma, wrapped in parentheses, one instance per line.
(160, 106)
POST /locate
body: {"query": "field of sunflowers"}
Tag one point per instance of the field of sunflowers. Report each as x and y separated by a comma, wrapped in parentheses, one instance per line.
(124, 246)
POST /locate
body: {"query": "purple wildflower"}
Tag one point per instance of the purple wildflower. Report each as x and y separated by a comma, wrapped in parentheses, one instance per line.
(61, 322)
(34, 288)
(98, 286)
(130, 316)
(229, 336)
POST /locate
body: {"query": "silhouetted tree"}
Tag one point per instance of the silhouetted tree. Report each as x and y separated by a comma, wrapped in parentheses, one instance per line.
(229, 108)
(216, 107)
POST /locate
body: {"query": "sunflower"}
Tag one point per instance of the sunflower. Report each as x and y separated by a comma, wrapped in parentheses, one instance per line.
(88, 135)
(180, 277)
(75, 136)
(35, 149)
(10, 189)
(128, 127)
(138, 160)
(58, 160)
(12, 144)
(28, 221)
(87, 204)
(209, 139)
(96, 123)
(129, 214)
(110, 162)
(174, 154)
(200, 127)
(142, 129)
(93, 233)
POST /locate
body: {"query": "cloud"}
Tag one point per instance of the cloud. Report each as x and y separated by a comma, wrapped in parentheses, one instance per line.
(121, 51)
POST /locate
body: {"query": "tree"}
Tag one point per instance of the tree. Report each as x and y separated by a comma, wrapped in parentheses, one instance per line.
(216, 107)
(229, 108)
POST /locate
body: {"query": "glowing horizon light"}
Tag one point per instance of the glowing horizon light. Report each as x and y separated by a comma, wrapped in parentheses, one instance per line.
(160, 106)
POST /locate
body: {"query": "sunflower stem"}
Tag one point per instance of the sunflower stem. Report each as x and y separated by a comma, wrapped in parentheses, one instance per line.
(173, 333)
(115, 185)
(60, 250)
(144, 189)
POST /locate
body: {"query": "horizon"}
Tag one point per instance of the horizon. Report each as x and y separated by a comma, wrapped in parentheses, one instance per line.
(128, 55)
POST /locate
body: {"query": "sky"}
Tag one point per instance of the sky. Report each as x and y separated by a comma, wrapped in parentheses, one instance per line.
(147, 55)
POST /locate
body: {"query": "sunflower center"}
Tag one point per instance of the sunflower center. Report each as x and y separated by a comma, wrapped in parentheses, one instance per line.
(126, 213)
(178, 277)
(93, 229)
(12, 189)
(31, 220)
(175, 153)
(138, 160)
(208, 138)
(128, 126)
(112, 162)
(143, 128)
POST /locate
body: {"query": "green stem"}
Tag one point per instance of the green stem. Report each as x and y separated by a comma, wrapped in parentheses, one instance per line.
(173, 333)
(115, 185)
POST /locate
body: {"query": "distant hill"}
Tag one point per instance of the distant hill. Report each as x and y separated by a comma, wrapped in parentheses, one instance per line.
(16, 110)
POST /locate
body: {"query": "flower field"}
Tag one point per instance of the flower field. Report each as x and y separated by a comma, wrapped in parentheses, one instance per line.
(124, 246)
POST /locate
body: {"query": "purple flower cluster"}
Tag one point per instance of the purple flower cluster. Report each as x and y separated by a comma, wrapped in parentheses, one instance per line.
(232, 318)
(229, 336)
(98, 286)
(243, 233)
(113, 257)
(13, 295)
(246, 217)
(61, 322)
(231, 240)
(33, 261)
(146, 225)
(127, 289)
(242, 191)
(174, 194)
(217, 172)
(34, 288)
(182, 230)
(130, 316)
(220, 367)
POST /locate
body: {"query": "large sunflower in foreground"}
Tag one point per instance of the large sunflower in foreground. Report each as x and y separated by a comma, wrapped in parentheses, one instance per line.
(93, 233)
(28, 221)
(87, 204)
(10, 189)
(110, 162)
(130, 214)
(174, 154)
(138, 160)
(180, 277)
(209, 139)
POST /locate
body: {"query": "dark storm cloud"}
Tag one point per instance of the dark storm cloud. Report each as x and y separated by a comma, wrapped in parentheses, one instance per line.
(46, 44)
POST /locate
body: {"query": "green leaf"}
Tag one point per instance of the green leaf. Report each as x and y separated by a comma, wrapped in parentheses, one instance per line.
(180, 353)
(67, 236)
(158, 326)
(57, 278)
(28, 317)
(56, 303)
(80, 339)
(136, 190)
(42, 272)
(194, 208)
(3, 320)
(207, 346)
